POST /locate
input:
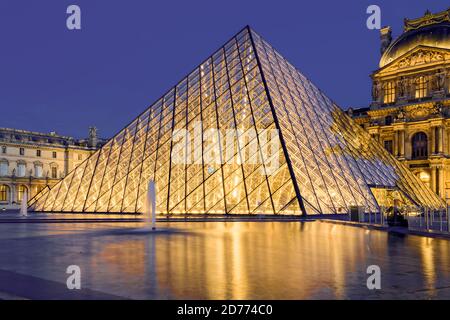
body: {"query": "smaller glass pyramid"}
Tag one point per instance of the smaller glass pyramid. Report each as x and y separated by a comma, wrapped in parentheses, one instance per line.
(244, 133)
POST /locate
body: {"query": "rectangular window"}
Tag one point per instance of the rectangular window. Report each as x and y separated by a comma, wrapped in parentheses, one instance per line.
(3, 149)
(421, 87)
(22, 151)
(80, 157)
(38, 153)
(388, 120)
(38, 171)
(54, 154)
(388, 146)
(54, 172)
(389, 92)
(3, 168)
(21, 168)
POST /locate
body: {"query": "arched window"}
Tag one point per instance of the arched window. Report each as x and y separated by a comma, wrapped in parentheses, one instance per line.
(20, 192)
(4, 193)
(419, 145)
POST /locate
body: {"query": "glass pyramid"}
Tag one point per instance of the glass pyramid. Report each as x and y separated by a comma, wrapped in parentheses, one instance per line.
(317, 162)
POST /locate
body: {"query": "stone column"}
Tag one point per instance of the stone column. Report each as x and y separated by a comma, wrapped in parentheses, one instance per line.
(433, 178)
(441, 140)
(444, 139)
(433, 140)
(13, 193)
(448, 140)
(66, 161)
(441, 181)
(402, 143)
(395, 142)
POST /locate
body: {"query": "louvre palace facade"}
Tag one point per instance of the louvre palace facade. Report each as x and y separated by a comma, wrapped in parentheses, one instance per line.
(31, 161)
(410, 110)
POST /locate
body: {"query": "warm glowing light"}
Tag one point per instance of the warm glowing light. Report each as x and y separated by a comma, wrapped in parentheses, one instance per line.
(424, 176)
(325, 162)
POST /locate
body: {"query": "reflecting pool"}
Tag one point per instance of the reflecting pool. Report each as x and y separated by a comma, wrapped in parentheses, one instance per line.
(220, 260)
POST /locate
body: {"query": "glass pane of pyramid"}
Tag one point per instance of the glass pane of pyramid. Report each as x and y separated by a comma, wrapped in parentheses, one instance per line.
(244, 133)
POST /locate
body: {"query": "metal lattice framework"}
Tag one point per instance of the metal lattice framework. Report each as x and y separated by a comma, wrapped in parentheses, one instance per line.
(326, 162)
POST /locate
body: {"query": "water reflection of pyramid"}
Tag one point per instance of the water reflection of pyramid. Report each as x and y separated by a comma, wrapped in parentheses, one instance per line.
(326, 162)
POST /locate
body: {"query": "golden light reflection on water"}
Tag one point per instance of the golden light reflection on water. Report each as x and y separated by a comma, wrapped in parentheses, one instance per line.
(271, 260)
(427, 256)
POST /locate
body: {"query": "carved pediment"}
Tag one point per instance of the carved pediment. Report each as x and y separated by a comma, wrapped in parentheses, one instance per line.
(418, 113)
(419, 56)
(421, 111)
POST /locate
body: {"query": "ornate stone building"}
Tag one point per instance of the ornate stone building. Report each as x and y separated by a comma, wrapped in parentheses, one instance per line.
(30, 161)
(410, 109)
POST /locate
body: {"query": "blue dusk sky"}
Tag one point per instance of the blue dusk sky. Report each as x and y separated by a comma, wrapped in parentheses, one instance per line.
(128, 53)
